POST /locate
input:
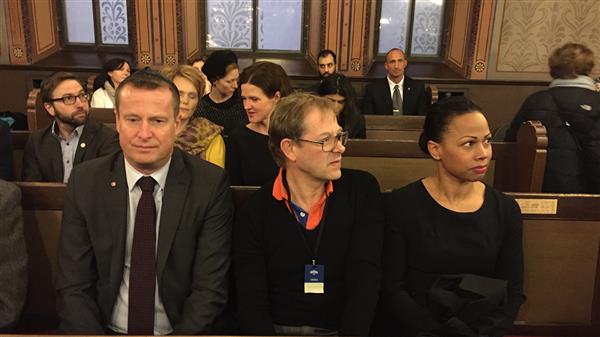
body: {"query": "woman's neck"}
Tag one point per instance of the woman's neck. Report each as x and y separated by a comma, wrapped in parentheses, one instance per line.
(217, 97)
(183, 124)
(453, 193)
(260, 127)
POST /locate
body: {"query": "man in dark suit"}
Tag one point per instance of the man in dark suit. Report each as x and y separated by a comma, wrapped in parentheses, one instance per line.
(396, 94)
(146, 232)
(13, 256)
(6, 150)
(72, 138)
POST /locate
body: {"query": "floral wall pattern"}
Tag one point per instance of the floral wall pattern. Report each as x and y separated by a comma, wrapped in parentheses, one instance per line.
(229, 24)
(427, 24)
(531, 29)
(113, 20)
(393, 25)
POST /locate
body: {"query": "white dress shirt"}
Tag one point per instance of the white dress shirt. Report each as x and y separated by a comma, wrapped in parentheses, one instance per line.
(400, 87)
(162, 326)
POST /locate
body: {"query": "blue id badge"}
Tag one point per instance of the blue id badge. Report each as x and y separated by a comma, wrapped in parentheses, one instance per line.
(314, 279)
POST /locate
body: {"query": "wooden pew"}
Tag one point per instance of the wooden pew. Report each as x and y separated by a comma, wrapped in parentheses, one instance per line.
(515, 167)
(19, 139)
(561, 243)
(561, 239)
(394, 127)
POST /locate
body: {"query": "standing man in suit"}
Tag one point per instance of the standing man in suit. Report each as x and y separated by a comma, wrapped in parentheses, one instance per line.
(146, 233)
(308, 244)
(13, 256)
(396, 94)
(72, 138)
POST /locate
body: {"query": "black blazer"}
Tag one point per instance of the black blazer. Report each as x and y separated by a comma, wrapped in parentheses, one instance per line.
(42, 158)
(193, 253)
(6, 152)
(378, 100)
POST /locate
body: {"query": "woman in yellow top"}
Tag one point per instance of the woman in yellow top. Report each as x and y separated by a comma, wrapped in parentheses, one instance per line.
(196, 135)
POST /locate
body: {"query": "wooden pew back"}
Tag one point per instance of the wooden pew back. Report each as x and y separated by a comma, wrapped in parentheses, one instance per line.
(561, 239)
(515, 167)
(561, 243)
(394, 127)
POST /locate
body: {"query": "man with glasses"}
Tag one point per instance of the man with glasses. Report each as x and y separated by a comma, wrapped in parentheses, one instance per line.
(307, 246)
(72, 138)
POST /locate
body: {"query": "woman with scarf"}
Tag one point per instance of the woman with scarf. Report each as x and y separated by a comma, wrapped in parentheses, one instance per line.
(113, 73)
(570, 111)
(196, 135)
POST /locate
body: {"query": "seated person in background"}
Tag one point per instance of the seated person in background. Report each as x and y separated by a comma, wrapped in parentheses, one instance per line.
(223, 105)
(72, 138)
(113, 73)
(146, 233)
(448, 228)
(196, 135)
(6, 152)
(248, 159)
(396, 94)
(198, 63)
(307, 245)
(13, 256)
(327, 63)
(570, 111)
(337, 88)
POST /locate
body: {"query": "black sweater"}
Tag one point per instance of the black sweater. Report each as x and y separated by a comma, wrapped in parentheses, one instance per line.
(424, 240)
(229, 114)
(248, 159)
(270, 255)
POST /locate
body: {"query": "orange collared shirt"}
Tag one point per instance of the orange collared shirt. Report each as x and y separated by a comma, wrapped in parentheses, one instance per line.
(316, 211)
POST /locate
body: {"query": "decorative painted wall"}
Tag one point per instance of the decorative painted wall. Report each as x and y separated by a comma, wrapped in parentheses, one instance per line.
(527, 31)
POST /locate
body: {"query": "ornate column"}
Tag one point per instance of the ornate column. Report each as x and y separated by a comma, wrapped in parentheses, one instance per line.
(349, 31)
(157, 32)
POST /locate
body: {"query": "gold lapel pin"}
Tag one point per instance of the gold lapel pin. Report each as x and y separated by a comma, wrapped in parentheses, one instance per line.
(82, 145)
(113, 184)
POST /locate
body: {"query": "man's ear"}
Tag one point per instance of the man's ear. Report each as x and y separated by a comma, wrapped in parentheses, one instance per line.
(117, 123)
(434, 150)
(287, 148)
(49, 108)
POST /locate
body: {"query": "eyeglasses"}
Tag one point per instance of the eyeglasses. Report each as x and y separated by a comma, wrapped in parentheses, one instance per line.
(329, 143)
(70, 99)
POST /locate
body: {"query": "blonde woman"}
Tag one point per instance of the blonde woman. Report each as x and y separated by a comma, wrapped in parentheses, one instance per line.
(196, 135)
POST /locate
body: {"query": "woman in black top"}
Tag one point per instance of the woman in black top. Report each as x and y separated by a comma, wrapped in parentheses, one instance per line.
(337, 88)
(223, 104)
(247, 156)
(453, 254)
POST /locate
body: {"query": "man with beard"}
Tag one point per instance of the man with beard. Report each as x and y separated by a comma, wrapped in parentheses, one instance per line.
(327, 63)
(51, 153)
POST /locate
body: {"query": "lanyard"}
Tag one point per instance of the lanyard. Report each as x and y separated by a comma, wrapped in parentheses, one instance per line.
(313, 253)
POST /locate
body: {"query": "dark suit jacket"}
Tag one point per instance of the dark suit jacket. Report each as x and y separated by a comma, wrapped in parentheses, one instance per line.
(378, 100)
(193, 253)
(42, 158)
(6, 157)
(13, 257)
